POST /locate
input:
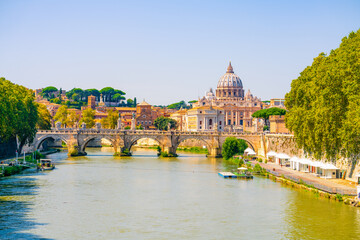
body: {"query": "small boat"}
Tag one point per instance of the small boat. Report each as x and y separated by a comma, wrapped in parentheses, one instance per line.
(45, 164)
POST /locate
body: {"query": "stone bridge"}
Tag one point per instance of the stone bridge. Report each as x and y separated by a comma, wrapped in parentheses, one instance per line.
(122, 140)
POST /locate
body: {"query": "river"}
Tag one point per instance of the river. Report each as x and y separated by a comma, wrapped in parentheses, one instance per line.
(145, 197)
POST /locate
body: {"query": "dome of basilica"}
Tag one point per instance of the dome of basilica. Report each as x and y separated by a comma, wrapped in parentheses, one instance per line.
(229, 79)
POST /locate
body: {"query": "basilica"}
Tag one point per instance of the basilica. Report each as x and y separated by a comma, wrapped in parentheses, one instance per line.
(228, 109)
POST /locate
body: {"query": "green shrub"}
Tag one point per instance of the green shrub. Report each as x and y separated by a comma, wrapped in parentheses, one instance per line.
(339, 197)
(260, 160)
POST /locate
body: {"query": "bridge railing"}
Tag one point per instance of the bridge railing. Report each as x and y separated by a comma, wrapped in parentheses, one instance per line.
(155, 132)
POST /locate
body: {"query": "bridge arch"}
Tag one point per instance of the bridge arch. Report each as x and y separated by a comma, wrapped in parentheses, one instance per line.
(249, 143)
(199, 138)
(42, 139)
(91, 138)
(133, 140)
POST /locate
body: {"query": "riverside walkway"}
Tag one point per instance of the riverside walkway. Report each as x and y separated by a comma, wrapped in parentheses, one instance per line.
(326, 185)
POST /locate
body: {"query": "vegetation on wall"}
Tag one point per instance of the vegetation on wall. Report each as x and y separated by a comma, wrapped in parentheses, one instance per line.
(324, 102)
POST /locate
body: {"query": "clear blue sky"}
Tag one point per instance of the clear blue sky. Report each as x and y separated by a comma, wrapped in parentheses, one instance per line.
(167, 51)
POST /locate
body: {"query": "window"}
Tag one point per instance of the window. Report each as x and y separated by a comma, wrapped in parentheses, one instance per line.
(229, 122)
(234, 93)
(142, 122)
(200, 122)
(219, 122)
(210, 122)
(149, 122)
(241, 122)
(203, 103)
(220, 112)
(220, 128)
(144, 116)
(138, 122)
(200, 127)
(145, 122)
(200, 111)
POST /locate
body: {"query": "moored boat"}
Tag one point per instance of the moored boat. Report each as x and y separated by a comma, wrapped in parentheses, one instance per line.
(46, 164)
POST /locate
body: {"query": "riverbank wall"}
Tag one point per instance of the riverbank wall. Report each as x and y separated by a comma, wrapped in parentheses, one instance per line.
(282, 143)
(333, 193)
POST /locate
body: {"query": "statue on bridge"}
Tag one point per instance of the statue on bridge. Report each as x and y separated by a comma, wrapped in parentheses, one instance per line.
(133, 127)
(119, 122)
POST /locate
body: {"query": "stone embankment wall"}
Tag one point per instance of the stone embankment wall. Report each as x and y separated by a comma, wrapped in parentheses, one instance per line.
(282, 143)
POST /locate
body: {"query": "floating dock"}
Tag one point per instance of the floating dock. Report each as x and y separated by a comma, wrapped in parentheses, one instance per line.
(227, 175)
(232, 175)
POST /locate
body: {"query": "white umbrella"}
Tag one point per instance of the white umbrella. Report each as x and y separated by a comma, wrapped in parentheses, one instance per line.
(242, 168)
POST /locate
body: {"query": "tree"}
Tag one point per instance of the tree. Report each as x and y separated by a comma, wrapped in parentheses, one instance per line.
(323, 103)
(107, 93)
(93, 92)
(48, 92)
(181, 104)
(162, 122)
(72, 119)
(111, 120)
(118, 97)
(88, 118)
(233, 146)
(18, 113)
(44, 121)
(129, 102)
(266, 113)
(62, 115)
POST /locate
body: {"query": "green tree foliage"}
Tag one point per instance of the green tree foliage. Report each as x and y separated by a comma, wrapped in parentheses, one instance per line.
(324, 103)
(162, 122)
(266, 113)
(62, 115)
(48, 92)
(233, 146)
(72, 119)
(111, 120)
(18, 112)
(88, 118)
(44, 121)
(181, 104)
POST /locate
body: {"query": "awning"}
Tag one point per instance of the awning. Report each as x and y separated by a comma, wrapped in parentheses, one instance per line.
(271, 154)
(294, 159)
(282, 156)
(329, 166)
(249, 151)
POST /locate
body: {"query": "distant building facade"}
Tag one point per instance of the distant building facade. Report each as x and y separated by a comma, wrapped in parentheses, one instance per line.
(237, 107)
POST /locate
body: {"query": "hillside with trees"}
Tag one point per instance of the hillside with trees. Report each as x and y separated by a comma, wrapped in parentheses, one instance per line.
(324, 102)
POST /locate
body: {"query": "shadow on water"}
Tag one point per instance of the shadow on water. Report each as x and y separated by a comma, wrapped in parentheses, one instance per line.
(15, 192)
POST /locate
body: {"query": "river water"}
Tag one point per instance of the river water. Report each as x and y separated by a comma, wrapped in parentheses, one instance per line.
(144, 197)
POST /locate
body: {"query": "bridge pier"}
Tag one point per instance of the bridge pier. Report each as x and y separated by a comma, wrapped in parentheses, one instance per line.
(169, 151)
(75, 150)
(214, 152)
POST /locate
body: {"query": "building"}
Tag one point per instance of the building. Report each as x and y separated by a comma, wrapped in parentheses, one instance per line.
(277, 124)
(277, 102)
(92, 102)
(145, 116)
(236, 106)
